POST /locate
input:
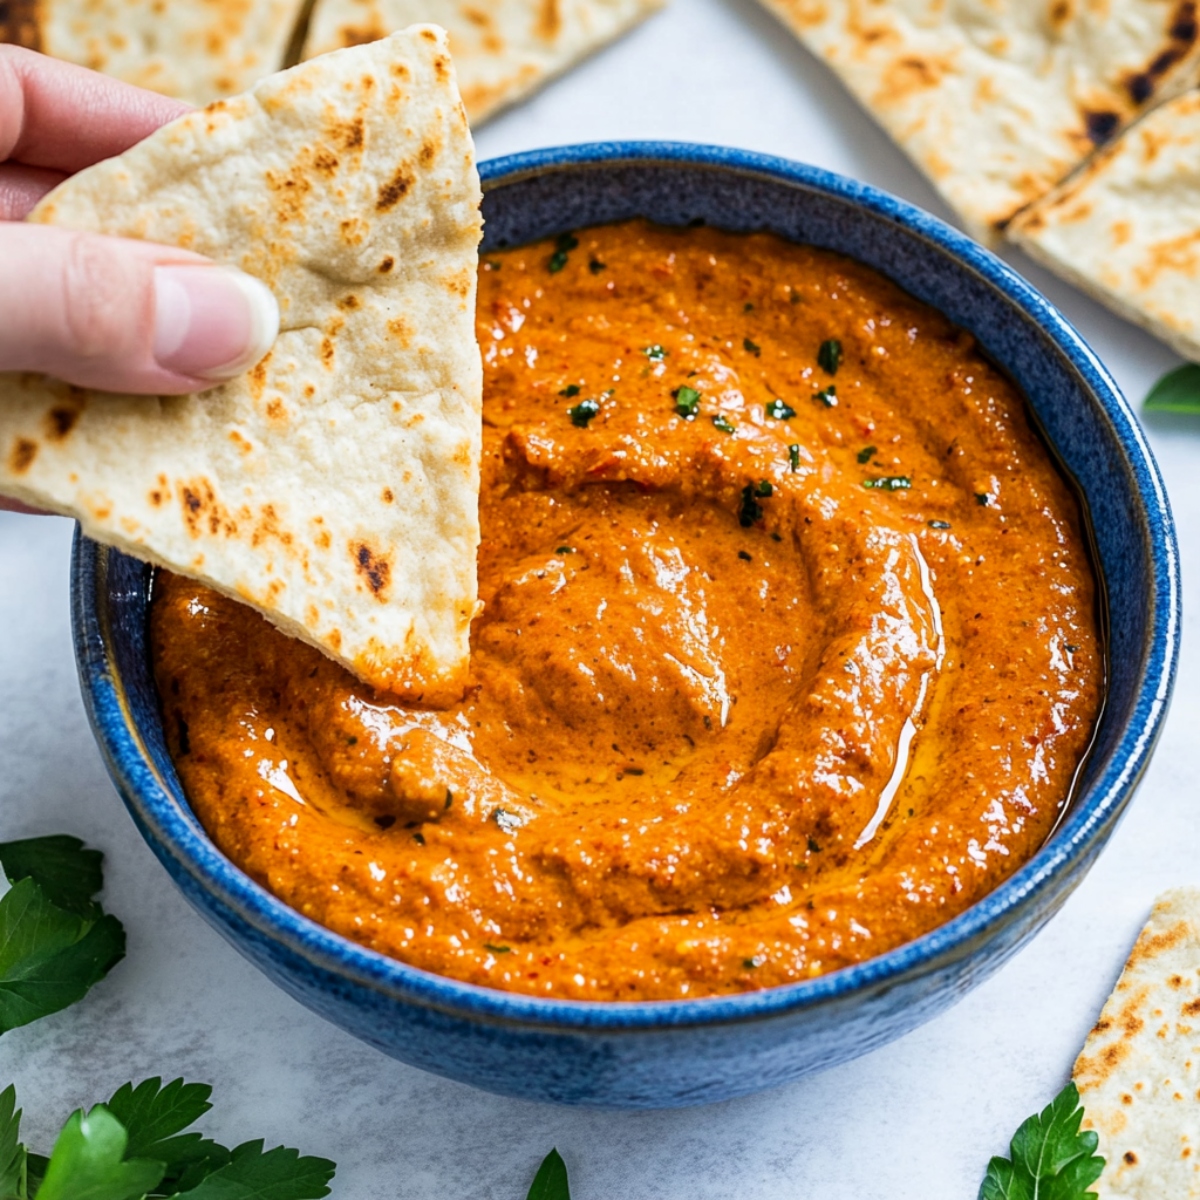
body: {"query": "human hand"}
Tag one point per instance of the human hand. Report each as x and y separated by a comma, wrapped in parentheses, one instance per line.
(99, 312)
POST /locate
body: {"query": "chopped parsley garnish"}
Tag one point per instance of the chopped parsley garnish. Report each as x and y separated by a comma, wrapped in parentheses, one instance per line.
(864, 455)
(828, 396)
(687, 402)
(744, 556)
(563, 247)
(750, 964)
(654, 353)
(497, 949)
(829, 357)
(1050, 1156)
(55, 940)
(550, 1183)
(1178, 391)
(419, 838)
(889, 483)
(583, 412)
(763, 488)
(596, 266)
(983, 499)
(572, 389)
(813, 848)
(751, 510)
(722, 424)
(794, 456)
(564, 550)
(938, 524)
(750, 347)
(780, 410)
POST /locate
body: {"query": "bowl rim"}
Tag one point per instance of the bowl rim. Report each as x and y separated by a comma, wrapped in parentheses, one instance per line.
(176, 834)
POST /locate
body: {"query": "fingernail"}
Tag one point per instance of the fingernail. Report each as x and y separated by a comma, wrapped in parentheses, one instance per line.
(211, 322)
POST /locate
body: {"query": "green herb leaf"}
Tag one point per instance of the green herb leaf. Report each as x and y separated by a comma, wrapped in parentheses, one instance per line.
(938, 524)
(583, 412)
(571, 390)
(780, 411)
(889, 483)
(763, 488)
(563, 246)
(982, 499)
(154, 1114)
(12, 1153)
(723, 424)
(1051, 1159)
(864, 455)
(687, 402)
(751, 348)
(654, 353)
(68, 873)
(1177, 391)
(551, 1183)
(564, 549)
(828, 396)
(255, 1174)
(88, 1162)
(794, 456)
(829, 357)
(495, 949)
(49, 957)
(596, 266)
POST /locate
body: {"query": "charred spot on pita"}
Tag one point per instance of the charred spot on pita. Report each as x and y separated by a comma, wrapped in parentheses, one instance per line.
(1101, 126)
(387, 264)
(60, 420)
(394, 190)
(22, 455)
(374, 568)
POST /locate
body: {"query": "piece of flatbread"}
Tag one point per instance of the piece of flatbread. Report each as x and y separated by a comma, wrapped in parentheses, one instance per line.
(335, 486)
(195, 50)
(503, 49)
(997, 100)
(1127, 227)
(1139, 1072)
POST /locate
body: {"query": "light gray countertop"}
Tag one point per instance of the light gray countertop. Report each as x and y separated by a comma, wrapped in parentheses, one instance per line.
(914, 1121)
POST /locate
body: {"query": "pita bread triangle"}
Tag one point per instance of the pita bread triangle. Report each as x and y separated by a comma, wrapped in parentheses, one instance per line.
(503, 49)
(335, 486)
(194, 50)
(1126, 228)
(1139, 1072)
(998, 100)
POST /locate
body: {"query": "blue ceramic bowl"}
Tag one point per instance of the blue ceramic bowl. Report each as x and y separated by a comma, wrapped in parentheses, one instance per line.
(695, 1051)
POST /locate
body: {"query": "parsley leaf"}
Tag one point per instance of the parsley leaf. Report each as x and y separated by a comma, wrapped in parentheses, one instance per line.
(255, 1174)
(751, 348)
(562, 248)
(12, 1153)
(828, 396)
(723, 423)
(88, 1162)
(550, 1183)
(864, 455)
(687, 402)
(583, 412)
(654, 353)
(1051, 1159)
(780, 410)
(794, 456)
(829, 356)
(67, 872)
(889, 483)
(1177, 391)
(49, 957)
(155, 1116)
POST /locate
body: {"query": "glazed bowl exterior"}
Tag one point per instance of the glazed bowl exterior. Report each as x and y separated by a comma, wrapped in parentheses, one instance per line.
(666, 1053)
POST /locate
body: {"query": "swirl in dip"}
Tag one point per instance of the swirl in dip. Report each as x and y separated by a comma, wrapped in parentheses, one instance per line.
(788, 652)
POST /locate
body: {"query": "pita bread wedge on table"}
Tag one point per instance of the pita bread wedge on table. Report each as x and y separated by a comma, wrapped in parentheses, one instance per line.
(1139, 1073)
(998, 100)
(334, 486)
(503, 49)
(1127, 228)
(194, 50)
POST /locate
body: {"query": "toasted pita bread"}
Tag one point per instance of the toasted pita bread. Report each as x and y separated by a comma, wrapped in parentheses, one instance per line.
(997, 100)
(195, 50)
(1139, 1072)
(503, 49)
(335, 486)
(1127, 228)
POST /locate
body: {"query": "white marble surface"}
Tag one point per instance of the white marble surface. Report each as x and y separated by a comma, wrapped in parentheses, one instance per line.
(914, 1121)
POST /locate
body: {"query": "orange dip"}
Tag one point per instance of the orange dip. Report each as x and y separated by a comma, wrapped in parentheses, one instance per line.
(788, 652)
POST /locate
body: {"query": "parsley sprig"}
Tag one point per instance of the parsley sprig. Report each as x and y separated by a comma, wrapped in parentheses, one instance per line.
(550, 1183)
(55, 940)
(135, 1147)
(1050, 1157)
(1178, 391)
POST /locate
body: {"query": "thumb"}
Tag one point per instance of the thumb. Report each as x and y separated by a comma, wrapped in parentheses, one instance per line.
(126, 316)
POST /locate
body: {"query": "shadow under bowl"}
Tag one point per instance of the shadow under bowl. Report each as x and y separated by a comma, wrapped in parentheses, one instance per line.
(659, 1054)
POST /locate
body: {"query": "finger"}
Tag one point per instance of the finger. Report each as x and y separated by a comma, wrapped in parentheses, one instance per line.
(9, 505)
(57, 115)
(126, 316)
(22, 187)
